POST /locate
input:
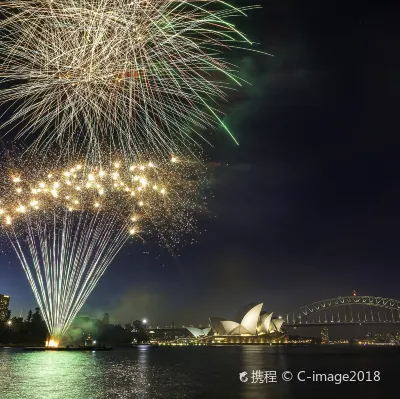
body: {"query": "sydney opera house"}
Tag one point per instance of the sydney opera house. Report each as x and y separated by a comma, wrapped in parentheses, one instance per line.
(251, 326)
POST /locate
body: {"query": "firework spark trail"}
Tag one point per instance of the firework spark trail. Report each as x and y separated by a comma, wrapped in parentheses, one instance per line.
(63, 271)
(67, 225)
(132, 74)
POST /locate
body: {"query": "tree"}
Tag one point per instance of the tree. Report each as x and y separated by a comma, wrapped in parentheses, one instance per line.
(8, 314)
(37, 318)
(38, 326)
(29, 318)
(106, 318)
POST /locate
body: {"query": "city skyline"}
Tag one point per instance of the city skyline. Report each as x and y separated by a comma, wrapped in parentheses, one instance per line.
(344, 312)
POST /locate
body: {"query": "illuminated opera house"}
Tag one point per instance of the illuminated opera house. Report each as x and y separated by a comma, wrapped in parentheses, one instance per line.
(252, 325)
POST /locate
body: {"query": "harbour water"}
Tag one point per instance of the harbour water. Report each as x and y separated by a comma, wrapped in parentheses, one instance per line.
(196, 372)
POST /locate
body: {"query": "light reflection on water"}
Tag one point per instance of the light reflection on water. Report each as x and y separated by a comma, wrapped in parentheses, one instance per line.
(193, 372)
(47, 374)
(252, 359)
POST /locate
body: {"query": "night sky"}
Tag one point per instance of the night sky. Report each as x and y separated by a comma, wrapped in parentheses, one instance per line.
(307, 207)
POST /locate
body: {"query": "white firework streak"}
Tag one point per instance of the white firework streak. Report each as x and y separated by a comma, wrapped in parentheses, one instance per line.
(64, 257)
(130, 74)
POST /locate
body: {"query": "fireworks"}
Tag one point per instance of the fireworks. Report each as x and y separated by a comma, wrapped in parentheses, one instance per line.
(139, 189)
(95, 78)
(67, 225)
(130, 74)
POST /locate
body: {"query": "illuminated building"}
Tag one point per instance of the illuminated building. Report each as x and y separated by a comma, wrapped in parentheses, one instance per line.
(4, 302)
(251, 326)
(324, 335)
(216, 325)
(198, 332)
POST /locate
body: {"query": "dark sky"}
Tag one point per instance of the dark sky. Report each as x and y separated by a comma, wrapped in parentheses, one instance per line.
(307, 207)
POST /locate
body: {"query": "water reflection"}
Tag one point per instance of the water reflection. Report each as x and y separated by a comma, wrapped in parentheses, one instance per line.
(192, 372)
(5, 366)
(47, 375)
(128, 373)
(263, 358)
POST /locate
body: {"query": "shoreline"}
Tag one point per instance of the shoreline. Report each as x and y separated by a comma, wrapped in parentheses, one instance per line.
(124, 346)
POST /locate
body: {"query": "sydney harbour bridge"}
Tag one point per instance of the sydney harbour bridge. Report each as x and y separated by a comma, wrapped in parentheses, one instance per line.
(345, 310)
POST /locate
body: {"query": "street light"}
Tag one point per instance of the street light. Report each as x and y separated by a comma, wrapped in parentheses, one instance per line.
(144, 321)
(9, 322)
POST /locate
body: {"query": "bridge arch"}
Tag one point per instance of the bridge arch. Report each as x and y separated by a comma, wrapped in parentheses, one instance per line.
(346, 309)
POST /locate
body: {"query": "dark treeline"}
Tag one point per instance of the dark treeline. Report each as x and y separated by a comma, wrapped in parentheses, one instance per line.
(30, 331)
(101, 331)
(33, 331)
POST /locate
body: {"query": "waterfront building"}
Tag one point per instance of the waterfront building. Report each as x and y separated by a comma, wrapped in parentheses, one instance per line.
(252, 325)
(199, 332)
(4, 303)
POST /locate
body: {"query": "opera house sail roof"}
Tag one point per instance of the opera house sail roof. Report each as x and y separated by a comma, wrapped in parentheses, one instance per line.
(198, 332)
(253, 323)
